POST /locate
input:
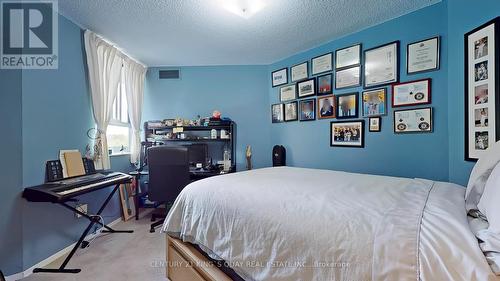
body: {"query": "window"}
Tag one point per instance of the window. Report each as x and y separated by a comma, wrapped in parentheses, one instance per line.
(118, 132)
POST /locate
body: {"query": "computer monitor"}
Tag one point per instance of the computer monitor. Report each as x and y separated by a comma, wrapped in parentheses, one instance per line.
(198, 154)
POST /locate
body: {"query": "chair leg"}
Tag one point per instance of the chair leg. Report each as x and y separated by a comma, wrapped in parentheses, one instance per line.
(154, 225)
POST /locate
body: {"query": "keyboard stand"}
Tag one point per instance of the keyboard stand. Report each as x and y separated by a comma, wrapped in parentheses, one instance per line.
(94, 219)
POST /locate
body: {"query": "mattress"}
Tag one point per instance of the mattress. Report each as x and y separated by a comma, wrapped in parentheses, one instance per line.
(288, 223)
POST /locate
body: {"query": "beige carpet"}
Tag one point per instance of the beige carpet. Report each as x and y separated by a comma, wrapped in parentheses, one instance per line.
(120, 257)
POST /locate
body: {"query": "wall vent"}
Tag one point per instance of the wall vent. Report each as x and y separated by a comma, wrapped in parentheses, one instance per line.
(169, 74)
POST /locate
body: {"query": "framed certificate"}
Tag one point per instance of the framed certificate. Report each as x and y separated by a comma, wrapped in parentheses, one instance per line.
(347, 78)
(300, 71)
(411, 93)
(482, 89)
(381, 65)
(346, 57)
(323, 63)
(279, 77)
(423, 55)
(288, 93)
(413, 120)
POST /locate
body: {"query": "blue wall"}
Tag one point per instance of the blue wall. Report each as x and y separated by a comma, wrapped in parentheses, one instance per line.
(239, 92)
(56, 115)
(10, 171)
(463, 16)
(407, 155)
(53, 108)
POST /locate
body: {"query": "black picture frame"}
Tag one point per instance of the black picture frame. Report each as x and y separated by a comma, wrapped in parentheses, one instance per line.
(324, 71)
(296, 65)
(339, 111)
(351, 65)
(438, 59)
(496, 23)
(318, 86)
(358, 84)
(398, 65)
(430, 123)
(360, 123)
(282, 109)
(311, 101)
(296, 111)
(366, 114)
(286, 78)
(306, 81)
(281, 92)
(379, 129)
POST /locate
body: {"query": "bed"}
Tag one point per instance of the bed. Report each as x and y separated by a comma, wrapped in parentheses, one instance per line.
(287, 223)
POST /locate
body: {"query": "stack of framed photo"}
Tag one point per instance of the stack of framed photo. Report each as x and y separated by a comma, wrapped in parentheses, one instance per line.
(348, 67)
(482, 93)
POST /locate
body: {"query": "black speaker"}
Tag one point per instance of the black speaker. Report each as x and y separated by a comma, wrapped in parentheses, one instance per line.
(279, 156)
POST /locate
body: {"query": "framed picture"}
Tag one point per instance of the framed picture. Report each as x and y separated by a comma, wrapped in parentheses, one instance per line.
(423, 55)
(277, 113)
(347, 57)
(347, 133)
(291, 111)
(347, 78)
(374, 124)
(413, 120)
(347, 106)
(411, 93)
(321, 64)
(374, 102)
(306, 88)
(381, 65)
(482, 89)
(299, 71)
(288, 93)
(307, 110)
(326, 107)
(279, 77)
(325, 84)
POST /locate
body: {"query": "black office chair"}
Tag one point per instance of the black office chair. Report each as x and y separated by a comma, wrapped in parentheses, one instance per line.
(168, 175)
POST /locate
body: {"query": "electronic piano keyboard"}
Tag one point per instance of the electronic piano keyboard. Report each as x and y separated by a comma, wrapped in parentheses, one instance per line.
(66, 189)
(62, 191)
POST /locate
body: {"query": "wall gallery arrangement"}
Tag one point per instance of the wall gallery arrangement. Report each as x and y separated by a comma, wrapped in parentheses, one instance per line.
(375, 69)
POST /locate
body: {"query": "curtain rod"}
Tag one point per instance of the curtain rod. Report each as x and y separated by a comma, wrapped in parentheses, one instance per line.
(122, 53)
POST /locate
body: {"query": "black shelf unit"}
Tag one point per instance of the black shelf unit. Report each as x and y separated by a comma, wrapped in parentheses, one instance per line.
(163, 130)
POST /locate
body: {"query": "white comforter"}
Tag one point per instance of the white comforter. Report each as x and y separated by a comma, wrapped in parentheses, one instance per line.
(304, 224)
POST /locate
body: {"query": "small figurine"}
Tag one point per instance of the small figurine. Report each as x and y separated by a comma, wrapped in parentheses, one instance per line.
(249, 157)
(216, 114)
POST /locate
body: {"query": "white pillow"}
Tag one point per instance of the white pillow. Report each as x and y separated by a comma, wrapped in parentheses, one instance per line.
(479, 175)
(489, 204)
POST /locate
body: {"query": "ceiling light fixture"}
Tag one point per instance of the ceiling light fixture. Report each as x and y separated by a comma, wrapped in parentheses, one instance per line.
(243, 8)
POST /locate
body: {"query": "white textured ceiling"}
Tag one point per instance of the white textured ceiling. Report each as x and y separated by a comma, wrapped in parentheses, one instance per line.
(200, 32)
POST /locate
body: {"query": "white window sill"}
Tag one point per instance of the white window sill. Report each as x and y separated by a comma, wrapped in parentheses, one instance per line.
(119, 154)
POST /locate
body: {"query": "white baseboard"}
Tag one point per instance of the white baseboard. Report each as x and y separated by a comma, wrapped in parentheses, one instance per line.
(47, 261)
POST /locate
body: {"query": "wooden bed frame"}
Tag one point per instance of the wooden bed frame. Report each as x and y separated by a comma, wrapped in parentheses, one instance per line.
(185, 262)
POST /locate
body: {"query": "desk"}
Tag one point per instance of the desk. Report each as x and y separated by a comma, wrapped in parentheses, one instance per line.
(194, 175)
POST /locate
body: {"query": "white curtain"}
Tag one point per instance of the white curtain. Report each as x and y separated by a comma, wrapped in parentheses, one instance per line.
(104, 65)
(134, 87)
